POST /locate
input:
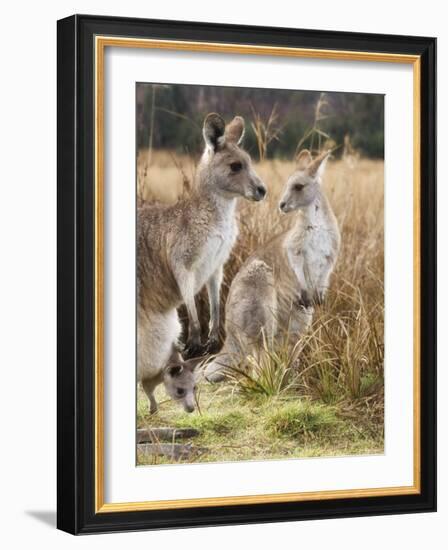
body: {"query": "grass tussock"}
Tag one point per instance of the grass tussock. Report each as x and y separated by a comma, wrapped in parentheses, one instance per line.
(300, 418)
(268, 373)
(221, 424)
(326, 397)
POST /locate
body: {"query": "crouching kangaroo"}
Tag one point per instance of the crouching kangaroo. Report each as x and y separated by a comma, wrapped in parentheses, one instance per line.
(277, 287)
(181, 248)
(179, 379)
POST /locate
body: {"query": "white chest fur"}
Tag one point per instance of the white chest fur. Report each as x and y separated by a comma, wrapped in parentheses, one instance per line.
(317, 252)
(216, 249)
(310, 250)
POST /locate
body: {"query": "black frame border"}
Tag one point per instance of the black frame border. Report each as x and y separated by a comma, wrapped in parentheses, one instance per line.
(76, 261)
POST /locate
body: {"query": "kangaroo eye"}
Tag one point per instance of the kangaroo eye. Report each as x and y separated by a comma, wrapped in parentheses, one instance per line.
(299, 186)
(236, 166)
(180, 392)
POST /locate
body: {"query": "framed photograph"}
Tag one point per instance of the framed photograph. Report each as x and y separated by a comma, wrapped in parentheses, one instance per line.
(246, 274)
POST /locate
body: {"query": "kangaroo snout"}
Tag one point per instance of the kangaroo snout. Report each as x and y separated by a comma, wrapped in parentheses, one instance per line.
(260, 192)
(188, 407)
(284, 207)
(258, 189)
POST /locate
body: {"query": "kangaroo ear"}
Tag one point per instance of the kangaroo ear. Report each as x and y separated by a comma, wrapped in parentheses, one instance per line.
(303, 159)
(317, 167)
(193, 362)
(174, 370)
(235, 130)
(213, 130)
(175, 357)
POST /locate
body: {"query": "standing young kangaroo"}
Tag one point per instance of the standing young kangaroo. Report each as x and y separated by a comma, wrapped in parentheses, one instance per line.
(181, 248)
(277, 286)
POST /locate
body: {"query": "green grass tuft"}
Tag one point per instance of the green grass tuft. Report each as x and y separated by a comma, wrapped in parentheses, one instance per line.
(300, 418)
(269, 373)
(218, 423)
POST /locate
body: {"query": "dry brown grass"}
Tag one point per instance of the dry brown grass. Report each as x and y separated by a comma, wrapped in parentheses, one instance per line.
(342, 358)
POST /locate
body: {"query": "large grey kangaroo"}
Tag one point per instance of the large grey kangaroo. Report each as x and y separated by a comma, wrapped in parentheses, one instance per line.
(181, 248)
(277, 287)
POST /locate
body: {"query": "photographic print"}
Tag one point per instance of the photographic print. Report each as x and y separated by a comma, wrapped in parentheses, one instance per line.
(260, 274)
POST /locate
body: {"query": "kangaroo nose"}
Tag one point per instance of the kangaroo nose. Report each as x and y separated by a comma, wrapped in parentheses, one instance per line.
(282, 205)
(261, 192)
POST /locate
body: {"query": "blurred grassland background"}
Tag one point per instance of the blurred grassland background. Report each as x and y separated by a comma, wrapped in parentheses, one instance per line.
(175, 114)
(329, 401)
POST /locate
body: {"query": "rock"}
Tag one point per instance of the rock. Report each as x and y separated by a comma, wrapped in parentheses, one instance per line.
(154, 435)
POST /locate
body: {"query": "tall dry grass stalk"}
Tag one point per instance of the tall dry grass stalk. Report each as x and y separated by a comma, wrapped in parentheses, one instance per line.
(315, 138)
(266, 131)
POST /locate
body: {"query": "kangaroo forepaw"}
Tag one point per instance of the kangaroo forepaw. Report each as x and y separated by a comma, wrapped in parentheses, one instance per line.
(213, 345)
(319, 298)
(305, 299)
